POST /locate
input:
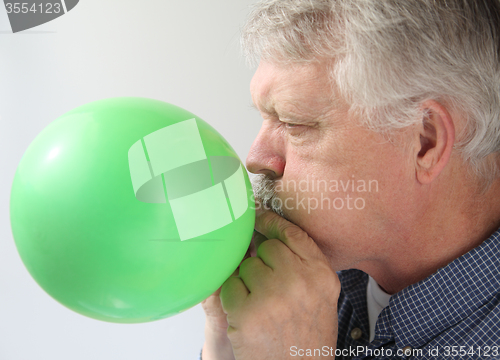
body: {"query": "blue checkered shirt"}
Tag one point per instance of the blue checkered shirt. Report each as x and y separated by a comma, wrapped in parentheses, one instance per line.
(453, 314)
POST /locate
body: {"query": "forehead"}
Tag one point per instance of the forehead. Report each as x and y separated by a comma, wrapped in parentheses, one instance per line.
(291, 85)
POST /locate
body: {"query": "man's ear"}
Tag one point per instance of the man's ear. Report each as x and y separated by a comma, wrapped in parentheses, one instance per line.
(437, 137)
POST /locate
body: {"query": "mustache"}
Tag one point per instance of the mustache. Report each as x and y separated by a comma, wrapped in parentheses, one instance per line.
(264, 188)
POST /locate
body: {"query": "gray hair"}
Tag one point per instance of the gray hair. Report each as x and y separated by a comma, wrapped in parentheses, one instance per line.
(388, 56)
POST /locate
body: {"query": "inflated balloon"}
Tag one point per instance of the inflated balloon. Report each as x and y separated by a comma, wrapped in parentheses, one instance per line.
(131, 210)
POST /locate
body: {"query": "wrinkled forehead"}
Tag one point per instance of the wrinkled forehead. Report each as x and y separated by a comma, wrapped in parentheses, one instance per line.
(275, 84)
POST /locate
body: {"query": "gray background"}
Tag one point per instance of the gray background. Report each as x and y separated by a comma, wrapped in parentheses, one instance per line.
(183, 52)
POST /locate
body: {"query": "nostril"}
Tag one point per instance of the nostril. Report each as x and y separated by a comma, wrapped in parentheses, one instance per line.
(271, 166)
(268, 173)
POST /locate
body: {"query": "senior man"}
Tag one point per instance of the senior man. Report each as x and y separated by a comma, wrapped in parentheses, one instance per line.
(402, 93)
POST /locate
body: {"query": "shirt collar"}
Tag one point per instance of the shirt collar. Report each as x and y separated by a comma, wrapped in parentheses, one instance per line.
(425, 309)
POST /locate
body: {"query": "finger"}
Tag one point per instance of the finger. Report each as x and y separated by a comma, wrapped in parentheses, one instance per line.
(248, 254)
(274, 253)
(232, 295)
(249, 250)
(257, 239)
(215, 316)
(274, 250)
(273, 226)
(254, 272)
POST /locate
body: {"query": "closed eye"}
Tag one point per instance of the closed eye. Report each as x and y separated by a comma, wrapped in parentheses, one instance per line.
(293, 129)
(292, 124)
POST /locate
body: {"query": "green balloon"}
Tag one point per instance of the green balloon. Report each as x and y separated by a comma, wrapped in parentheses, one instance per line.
(131, 210)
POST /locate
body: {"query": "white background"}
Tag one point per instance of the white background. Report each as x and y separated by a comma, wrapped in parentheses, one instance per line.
(182, 52)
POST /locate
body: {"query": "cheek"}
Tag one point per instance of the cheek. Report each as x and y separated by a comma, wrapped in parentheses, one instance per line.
(351, 200)
(345, 185)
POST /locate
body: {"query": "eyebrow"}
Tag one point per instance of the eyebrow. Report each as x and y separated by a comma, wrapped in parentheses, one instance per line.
(264, 110)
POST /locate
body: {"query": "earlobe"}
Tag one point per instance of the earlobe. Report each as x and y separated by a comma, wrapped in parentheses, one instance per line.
(437, 137)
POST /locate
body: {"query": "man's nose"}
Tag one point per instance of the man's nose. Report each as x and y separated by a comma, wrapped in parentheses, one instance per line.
(266, 156)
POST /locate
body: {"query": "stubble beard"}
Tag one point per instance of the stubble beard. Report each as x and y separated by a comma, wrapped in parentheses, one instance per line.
(266, 197)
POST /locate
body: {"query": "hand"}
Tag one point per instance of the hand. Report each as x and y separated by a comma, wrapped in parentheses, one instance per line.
(285, 296)
(217, 345)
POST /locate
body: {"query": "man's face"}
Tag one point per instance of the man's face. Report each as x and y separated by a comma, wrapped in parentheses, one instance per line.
(345, 185)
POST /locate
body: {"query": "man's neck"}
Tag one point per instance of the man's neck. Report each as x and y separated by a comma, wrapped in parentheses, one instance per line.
(442, 235)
